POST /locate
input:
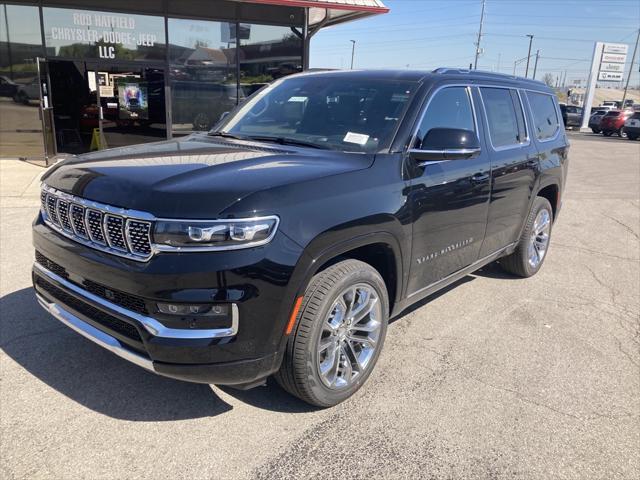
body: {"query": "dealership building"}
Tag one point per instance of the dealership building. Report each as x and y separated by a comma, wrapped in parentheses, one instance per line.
(77, 76)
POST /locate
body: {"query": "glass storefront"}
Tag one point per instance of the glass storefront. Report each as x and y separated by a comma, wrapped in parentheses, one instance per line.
(106, 79)
(20, 47)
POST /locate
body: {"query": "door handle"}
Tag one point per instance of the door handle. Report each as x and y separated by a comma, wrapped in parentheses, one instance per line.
(480, 177)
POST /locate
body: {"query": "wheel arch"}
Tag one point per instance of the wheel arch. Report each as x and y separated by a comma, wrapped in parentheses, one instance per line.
(381, 250)
(551, 192)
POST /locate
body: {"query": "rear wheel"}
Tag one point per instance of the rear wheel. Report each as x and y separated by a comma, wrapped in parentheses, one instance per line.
(607, 133)
(529, 255)
(621, 133)
(631, 136)
(338, 335)
(595, 130)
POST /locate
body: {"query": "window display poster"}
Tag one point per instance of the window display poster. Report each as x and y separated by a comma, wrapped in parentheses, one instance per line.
(132, 100)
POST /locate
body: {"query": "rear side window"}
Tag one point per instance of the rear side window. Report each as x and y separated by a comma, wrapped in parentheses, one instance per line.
(506, 124)
(545, 116)
(449, 108)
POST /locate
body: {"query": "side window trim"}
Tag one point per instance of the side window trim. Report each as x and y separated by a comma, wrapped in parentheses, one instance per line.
(488, 126)
(556, 107)
(423, 112)
(524, 116)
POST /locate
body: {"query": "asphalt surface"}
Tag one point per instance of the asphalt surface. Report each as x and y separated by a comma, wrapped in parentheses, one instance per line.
(495, 378)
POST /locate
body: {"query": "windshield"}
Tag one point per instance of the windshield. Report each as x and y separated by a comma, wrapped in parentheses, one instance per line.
(320, 111)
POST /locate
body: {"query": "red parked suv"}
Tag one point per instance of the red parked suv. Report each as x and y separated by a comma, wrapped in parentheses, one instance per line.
(613, 121)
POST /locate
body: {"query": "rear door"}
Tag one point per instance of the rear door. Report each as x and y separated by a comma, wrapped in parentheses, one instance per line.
(448, 198)
(514, 165)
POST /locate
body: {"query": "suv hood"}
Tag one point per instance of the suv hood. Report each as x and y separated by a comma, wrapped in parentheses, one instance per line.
(193, 177)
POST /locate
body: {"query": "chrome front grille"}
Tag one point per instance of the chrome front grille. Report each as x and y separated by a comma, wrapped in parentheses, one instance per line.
(114, 229)
(121, 232)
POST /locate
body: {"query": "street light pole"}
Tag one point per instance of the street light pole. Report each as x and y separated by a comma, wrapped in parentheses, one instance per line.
(526, 72)
(475, 64)
(353, 51)
(633, 58)
(535, 65)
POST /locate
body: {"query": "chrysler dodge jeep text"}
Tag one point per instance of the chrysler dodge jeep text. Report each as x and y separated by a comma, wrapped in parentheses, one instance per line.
(282, 241)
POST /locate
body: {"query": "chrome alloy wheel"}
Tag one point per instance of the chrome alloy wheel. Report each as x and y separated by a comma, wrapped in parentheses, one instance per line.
(349, 336)
(539, 240)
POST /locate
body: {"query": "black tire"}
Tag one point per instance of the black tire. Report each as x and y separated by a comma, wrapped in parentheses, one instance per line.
(518, 262)
(631, 136)
(299, 373)
(621, 133)
(595, 130)
(607, 133)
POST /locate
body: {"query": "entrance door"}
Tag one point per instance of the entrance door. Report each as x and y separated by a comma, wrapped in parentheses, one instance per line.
(98, 106)
(46, 111)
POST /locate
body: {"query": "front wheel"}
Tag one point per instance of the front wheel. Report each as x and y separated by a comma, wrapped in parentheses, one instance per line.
(338, 335)
(631, 136)
(595, 130)
(622, 133)
(527, 258)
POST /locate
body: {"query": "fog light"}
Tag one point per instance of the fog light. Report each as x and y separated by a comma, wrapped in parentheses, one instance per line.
(194, 309)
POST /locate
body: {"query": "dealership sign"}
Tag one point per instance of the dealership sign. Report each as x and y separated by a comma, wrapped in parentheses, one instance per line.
(610, 77)
(614, 56)
(90, 34)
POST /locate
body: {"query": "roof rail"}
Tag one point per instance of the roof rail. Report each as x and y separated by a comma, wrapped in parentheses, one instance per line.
(482, 73)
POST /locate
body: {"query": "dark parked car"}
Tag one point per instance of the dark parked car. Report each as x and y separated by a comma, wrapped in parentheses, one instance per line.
(571, 115)
(282, 242)
(596, 118)
(613, 122)
(8, 87)
(632, 126)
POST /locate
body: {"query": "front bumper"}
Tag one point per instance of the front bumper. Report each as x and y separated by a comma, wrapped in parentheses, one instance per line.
(239, 373)
(242, 352)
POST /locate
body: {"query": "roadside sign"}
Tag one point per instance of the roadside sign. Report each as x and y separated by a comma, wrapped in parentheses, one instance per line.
(610, 76)
(614, 57)
(616, 48)
(611, 67)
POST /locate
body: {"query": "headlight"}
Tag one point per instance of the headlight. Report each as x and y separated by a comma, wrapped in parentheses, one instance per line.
(233, 234)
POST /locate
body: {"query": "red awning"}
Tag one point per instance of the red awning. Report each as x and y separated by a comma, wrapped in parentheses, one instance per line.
(331, 12)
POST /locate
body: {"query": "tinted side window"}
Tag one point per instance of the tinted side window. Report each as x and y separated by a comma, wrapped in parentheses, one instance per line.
(501, 116)
(544, 113)
(449, 108)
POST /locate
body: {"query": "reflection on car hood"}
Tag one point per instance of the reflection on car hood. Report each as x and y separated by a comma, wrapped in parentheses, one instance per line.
(193, 177)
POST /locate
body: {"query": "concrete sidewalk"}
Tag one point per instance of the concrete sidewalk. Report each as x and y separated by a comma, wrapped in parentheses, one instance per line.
(19, 183)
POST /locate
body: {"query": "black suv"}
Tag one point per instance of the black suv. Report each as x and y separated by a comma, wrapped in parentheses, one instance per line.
(282, 241)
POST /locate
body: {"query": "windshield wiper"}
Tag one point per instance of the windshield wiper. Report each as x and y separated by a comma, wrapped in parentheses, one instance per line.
(226, 135)
(287, 141)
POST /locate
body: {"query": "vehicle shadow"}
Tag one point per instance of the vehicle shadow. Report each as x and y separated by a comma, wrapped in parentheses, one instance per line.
(105, 383)
(431, 298)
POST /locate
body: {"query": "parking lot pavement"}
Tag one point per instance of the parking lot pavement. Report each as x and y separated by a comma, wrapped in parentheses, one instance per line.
(497, 377)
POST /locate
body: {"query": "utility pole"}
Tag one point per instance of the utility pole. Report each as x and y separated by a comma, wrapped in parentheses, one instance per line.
(633, 58)
(498, 67)
(475, 64)
(535, 65)
(526, 72)
(353, 51)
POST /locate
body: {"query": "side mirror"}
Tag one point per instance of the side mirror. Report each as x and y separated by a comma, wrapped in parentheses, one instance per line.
(447, 144)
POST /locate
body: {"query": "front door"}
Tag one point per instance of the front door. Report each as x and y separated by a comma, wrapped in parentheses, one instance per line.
(449, 199)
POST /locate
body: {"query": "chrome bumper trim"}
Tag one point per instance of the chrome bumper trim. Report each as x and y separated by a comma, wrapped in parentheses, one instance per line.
(153, 326)
(93, 334)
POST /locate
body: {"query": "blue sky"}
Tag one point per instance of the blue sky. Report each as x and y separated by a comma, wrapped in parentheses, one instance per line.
(425, 34)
